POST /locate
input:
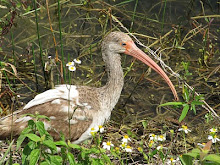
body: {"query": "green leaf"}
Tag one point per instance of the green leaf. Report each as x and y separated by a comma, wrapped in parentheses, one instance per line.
(171, 103)
(20, 141)
(33, 137)
(197, 103)
(186, 160)
(193, 107)
(144, 124)
(194, 153)
(106, 158)
(31, 124)
(61, 143)
(50, 144)
(213, 158)
(184, 112)
(34, 156)
(74, 146)
(26, 151)
(71, 158)
(43, 117)
(40, 128)
(22, 137)
(54, 160)
(186, 94)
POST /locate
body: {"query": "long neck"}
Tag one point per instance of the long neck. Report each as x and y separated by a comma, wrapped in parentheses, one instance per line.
(112, 90)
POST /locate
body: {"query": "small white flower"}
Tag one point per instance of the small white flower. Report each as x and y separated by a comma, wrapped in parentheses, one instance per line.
(161, 137)
(172, 161)
(185, 129)
(201, 145)
(72, 68)
(77, 61)
(153, 137)
(160, 147)
(94, 130)
(107, 145)
(70, 63)
(126, 139)
(213, 130)
(123, 145)
(49, 57)
(128, 148)
(101, 129)
(213, 138)
(151, 143)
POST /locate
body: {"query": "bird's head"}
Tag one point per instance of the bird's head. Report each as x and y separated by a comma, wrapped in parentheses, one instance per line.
(119, 42)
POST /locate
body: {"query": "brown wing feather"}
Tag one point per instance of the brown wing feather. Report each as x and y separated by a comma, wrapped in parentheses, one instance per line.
(72, 121)
(79, 120)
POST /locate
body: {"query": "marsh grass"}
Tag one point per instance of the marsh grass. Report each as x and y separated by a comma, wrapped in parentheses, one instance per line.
(188, 43)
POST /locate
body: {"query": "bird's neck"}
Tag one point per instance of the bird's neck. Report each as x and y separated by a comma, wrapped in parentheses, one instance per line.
(112, 89)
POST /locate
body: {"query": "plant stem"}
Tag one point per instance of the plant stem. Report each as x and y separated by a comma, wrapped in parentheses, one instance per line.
(39, 42)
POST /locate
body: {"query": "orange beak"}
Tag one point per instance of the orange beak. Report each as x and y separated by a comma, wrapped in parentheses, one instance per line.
(133, 50)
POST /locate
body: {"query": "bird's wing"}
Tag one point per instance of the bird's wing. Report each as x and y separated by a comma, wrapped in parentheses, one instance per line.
(62, 106)
(67, 92)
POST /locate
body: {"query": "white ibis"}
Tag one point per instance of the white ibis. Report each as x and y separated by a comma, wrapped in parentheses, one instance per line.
(74, 110)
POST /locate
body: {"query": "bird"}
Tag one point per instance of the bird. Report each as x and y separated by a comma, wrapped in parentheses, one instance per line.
(74, 110)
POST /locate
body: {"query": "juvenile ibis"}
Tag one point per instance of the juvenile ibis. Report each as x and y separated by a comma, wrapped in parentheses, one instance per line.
(82, 107)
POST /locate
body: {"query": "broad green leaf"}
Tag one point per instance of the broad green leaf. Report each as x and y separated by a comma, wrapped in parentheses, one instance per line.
(50, 144)
(33, 137)
(213, 158)
(196, 150)
(56, 160)
(43, 117)
(26, 151)
(22, 137)
(184, 112)
(34, 156)
(71, 158)
(94, 150)
(61, 143)
(40, 128)
(186, 160)
(74, 146)
(194, 153)
(20, 141)
(171, 103)
(31, 124)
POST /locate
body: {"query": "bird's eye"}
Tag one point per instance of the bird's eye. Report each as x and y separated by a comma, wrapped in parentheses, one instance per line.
(123, 44)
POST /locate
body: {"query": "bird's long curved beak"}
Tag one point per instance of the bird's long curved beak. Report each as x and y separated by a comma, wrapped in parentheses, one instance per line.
(133, 50)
